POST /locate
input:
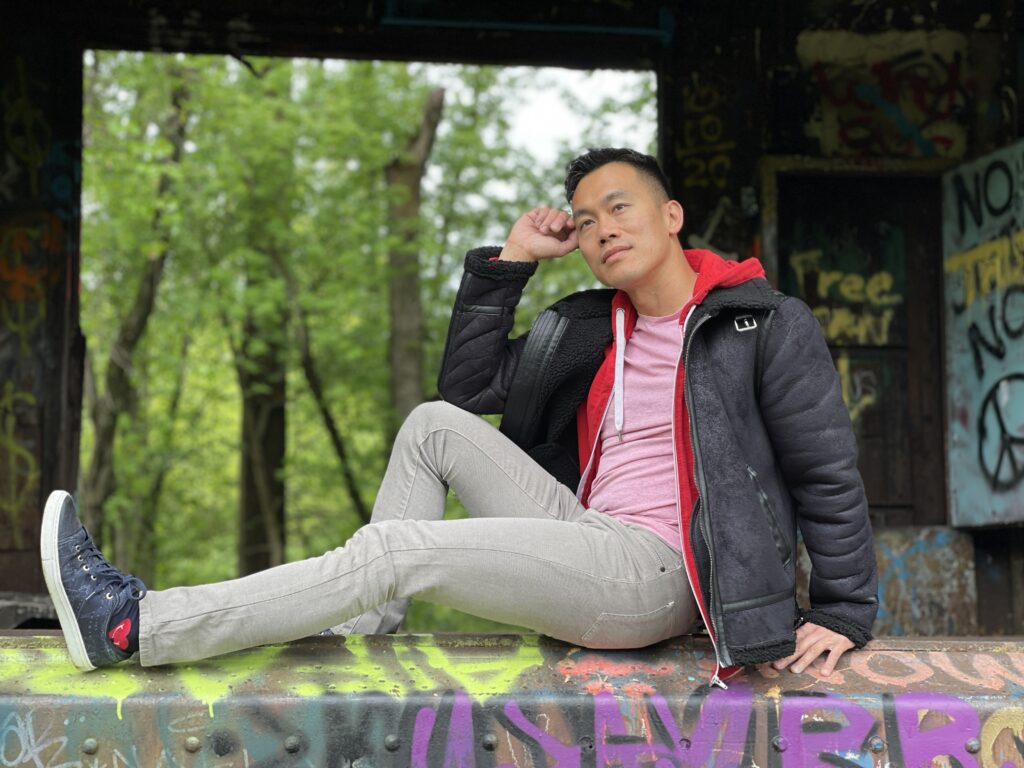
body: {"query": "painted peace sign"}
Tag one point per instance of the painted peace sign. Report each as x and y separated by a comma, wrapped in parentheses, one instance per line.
(1001, 433)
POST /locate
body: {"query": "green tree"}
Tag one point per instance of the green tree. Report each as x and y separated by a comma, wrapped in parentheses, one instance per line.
(298, 195)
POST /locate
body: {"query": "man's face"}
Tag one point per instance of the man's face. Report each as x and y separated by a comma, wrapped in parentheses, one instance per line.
(626, 229)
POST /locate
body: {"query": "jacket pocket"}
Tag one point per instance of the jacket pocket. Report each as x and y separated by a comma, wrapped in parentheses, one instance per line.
(781, 542)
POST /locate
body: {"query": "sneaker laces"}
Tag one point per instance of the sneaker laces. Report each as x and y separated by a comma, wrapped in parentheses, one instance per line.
(107, 577)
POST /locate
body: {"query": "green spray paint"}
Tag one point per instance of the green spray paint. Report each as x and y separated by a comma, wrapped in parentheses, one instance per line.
(212, 680)
(49, 671)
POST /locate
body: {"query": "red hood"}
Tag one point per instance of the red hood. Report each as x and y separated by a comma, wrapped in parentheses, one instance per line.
(715, 272)
(712, 272)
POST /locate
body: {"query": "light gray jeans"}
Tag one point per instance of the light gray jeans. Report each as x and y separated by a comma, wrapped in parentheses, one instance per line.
(530, 555)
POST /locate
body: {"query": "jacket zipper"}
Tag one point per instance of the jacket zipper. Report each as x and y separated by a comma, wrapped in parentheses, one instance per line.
(708, 621)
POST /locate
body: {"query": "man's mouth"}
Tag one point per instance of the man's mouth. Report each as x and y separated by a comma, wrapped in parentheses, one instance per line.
(617, 249)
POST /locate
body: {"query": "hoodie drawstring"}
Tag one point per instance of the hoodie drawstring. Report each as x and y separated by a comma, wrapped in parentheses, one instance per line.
(620, 358)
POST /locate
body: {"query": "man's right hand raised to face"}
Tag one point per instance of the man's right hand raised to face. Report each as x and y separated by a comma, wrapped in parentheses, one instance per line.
(543, 233)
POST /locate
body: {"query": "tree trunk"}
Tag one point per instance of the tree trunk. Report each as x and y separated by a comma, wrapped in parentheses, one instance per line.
(404, 177)
(119, 395)
(262, 374)
(261, 360)
(141, 546)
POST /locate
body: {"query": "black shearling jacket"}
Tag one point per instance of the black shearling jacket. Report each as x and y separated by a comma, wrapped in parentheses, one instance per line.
(769, 455)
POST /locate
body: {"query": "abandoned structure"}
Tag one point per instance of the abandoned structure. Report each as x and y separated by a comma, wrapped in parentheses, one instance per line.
(866, 151)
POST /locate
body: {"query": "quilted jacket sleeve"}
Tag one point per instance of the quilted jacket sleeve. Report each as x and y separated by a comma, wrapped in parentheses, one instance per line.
(479, 359)
(810, 429)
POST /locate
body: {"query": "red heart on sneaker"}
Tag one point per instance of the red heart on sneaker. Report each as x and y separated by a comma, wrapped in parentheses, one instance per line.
(119, 634)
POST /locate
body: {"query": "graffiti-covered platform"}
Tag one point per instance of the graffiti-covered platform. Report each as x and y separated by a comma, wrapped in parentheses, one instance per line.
(509, 700)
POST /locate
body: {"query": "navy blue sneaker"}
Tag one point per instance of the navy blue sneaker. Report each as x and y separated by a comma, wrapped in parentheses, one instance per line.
(96, 603)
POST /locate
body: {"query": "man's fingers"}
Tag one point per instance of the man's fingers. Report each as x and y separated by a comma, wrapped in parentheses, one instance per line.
(552, 222)
(801, 645)
(570, 243)
(537, 216)
(783, 663)
(829, 665)
(814, 650)
(812, 641)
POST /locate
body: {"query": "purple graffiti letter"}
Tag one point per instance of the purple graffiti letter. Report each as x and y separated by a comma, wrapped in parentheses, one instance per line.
(719, 737)
(613, 740)
(565, 756)
(921, 745)
(458, 749)
(459, 753)
(421, 733)
(806, 743)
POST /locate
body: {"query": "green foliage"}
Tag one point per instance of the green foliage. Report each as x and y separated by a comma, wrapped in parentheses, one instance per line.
(283, 173)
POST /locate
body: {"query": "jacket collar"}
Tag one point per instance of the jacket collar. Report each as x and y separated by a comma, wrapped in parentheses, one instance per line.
(721, 284)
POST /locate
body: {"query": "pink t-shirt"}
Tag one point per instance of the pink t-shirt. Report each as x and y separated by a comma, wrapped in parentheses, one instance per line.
(635, 479)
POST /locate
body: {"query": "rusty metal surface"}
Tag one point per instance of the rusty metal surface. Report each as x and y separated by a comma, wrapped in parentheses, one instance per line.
(507, 700)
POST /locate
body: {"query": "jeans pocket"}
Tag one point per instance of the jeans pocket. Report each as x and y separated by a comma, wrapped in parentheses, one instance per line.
(630, 630)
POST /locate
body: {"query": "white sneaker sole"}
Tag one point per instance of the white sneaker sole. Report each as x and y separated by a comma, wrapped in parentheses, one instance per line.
(54, 583)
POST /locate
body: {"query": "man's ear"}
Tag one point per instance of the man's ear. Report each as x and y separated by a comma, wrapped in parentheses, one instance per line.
(674, 216)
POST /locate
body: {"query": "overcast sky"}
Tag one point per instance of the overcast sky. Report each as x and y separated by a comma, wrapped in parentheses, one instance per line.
(544, 118)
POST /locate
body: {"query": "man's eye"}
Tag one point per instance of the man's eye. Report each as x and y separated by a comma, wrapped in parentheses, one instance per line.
(583, 224)
(619, 206)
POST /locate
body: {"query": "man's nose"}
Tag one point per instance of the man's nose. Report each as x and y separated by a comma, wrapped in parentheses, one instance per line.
(606, 229)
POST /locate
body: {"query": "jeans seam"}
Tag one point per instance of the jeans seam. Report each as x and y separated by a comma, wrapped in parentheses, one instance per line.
(604, 615)
(486, 454)
(236, 606)
(636, 582)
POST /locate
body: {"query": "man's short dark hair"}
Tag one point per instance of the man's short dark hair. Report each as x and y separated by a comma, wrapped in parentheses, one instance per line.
(593, 159)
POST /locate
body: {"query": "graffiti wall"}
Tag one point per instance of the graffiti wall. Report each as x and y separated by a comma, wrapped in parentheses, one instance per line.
(843, 249)
(421, 702)
(892, 94)
(926, 581)
(40, 180)
(983, 258)
(715, 141)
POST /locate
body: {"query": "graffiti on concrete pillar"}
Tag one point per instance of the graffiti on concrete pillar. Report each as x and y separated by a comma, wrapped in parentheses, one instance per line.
(983, 252)
(26, 130)
(707, 147)
(31, 245)
(894, 94)
(19, 471)
(40, 181)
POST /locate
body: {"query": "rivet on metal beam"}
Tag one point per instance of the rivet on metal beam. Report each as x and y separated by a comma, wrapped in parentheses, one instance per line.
(974, 746)
(392, 742)
(292, 744)
(490, 742)
(90, 746)
(192, 744)
(779, 743)
(876, 744)
(587, 743)
(684, 743)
